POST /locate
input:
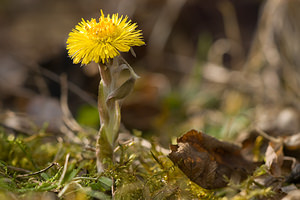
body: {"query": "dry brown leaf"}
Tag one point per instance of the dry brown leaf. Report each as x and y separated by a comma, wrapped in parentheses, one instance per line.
(292, 142)
(274, 158)
(207, 161)
(292, 195)
(292, 146)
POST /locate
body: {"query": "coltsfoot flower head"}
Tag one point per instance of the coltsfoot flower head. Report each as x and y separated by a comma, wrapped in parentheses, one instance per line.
(103, 40)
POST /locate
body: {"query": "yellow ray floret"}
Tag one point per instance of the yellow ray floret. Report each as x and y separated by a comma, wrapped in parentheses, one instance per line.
(103, 40)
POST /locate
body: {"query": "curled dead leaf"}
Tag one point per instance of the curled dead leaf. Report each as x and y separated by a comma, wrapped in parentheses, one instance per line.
(292, 142)
(274, 158)
(208, 161)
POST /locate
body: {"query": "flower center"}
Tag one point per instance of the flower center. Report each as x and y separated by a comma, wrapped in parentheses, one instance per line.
(103, 31)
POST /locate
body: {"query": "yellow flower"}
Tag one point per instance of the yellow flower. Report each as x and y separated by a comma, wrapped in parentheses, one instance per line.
(103, 40)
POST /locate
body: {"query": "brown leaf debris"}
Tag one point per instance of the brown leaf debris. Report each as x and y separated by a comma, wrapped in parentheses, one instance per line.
(208, 161)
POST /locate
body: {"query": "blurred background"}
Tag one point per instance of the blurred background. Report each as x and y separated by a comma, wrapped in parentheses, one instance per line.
(220, 66)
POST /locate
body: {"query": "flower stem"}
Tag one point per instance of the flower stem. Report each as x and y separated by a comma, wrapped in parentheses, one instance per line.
(109, 113)
(109, 95)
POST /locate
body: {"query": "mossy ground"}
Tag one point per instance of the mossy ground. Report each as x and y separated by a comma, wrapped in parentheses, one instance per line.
(140, 173)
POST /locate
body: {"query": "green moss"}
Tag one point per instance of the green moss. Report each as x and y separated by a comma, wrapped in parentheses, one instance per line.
(139, 173)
